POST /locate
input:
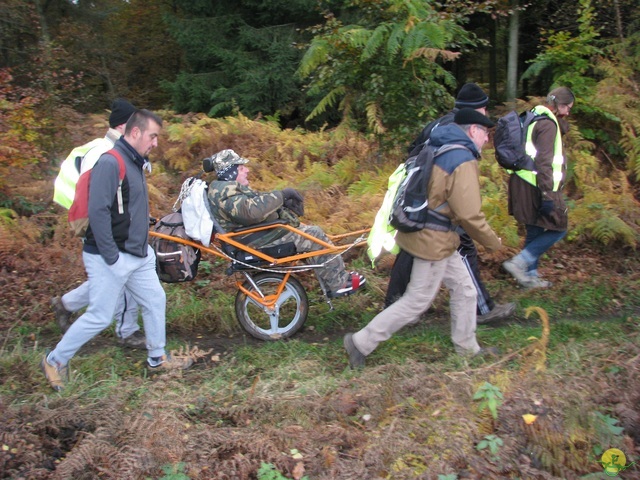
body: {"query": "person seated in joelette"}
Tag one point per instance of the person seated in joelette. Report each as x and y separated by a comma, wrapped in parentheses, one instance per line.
(234, 205)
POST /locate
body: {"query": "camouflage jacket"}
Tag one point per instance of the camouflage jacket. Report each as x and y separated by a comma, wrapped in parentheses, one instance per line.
(235, 205)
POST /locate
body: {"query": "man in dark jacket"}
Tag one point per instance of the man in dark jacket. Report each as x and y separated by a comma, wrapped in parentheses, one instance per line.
(234, 204)
(454, 190)
(469, 96)
(116, 253)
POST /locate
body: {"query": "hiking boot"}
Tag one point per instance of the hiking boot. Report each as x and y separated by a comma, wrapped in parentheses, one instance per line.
(135, 340)
(499, 312)
(63, 316)
(536, 282)
(517, 268)
(56, 376)
(356, 359)
(355, 282)
(167, 363)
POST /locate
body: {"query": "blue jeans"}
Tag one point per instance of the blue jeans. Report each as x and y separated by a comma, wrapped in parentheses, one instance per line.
(536, 243)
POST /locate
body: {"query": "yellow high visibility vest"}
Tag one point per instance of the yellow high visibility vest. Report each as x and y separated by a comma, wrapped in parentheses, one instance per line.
(558, 158)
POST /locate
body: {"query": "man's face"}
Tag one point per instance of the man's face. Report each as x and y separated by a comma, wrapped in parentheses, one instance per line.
(479, 135)
(145, 141)
(243, 173)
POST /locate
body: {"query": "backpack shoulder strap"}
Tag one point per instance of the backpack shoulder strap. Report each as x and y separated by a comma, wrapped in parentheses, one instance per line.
(448, 147)
(121, 173)
(122, 168)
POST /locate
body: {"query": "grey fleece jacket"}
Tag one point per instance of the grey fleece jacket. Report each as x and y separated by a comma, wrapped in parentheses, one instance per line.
(110, 232)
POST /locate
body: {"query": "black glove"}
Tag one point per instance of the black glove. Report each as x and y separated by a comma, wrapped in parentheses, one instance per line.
(292, 200)
(546, 208)
(295, 206)
(288, 193)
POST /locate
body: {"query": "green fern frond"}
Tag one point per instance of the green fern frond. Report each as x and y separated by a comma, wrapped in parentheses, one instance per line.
(396, 37)
(376, 40)
(535, 69)
(328, 101)
(316, 55)
(610, 227)
(435, 33)
(416, 38)
(356, 36)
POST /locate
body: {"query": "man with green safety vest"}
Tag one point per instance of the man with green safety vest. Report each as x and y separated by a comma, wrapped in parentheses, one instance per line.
(535, 197)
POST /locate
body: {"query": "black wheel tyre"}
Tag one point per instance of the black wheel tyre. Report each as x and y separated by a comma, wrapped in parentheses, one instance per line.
(288, 315)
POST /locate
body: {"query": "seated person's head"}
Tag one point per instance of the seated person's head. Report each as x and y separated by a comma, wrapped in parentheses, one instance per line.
(228, 165)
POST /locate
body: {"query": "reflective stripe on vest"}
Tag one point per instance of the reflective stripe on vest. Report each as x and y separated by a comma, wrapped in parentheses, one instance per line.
(558, 158)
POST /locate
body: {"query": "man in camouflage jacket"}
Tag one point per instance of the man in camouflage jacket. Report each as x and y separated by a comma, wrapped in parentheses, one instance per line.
(234, 205)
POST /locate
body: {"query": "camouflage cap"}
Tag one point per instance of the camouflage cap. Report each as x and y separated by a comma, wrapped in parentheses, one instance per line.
(221, 161)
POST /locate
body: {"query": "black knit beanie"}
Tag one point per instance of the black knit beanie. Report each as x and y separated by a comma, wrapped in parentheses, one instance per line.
(471, 96)
(121, 110)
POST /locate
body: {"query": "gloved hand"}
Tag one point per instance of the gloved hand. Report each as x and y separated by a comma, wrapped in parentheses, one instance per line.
(288, 193)
(546, 208)
(293, 201)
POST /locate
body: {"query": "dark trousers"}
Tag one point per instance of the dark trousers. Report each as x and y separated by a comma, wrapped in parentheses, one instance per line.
(401, 274)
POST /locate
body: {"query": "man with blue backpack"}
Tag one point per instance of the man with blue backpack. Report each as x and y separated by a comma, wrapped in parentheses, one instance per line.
(453, 191)
(469, 96)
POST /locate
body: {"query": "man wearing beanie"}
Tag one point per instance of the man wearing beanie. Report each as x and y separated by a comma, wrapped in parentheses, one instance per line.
(535, 198)
(455, 188)
(234, 205)
(126, 315)
(469, 96)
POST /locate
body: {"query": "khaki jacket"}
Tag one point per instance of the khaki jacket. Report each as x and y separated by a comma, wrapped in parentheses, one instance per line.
(455, 185)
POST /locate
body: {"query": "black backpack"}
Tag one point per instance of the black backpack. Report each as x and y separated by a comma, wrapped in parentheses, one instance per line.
(175, 262)
(510, 137)
(410, 212)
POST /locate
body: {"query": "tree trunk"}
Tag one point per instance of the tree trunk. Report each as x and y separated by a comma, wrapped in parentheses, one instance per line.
(512, 61)
(493, 62)
(616, 6)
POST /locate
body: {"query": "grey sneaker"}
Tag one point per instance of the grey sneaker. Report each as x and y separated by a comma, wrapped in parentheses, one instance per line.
(167, 363)
(56, 376)
(499, 312)
(356, 359)
(135, 340)
(63, 316)
(517, 270)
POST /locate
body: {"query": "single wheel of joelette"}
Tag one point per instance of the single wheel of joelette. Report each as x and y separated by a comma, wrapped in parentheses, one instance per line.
(284, 319)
